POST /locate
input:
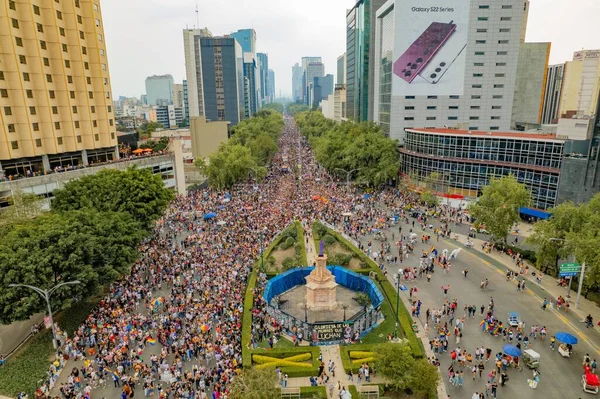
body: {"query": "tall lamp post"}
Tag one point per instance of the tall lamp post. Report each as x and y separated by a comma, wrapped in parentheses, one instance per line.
(348, 174)
(397, 302)
(262, 258)
(344, 307)
(581, 274)
(46, 295)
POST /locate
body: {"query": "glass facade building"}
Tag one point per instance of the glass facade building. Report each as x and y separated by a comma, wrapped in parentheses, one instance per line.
(467, 160)
(384, 54)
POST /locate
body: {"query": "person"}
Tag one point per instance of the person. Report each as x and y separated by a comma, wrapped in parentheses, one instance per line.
(533, 382)
(589, 321)
(503, 378)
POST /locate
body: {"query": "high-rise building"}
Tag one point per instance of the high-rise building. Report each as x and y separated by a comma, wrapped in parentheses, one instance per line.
(360, 31)
(215, 77)
(552, 94)
(341, 69)
(469, 83)
(55, 90)
(263, 73)
(306, 80)
(186, 107)
(271, 92)
(382, 65)
(297, 88)
(252, 85)
(530, 83)
(581, 83)
(159, 89)
(247, 39)
(322, 88)
(313, 70)
(178, 95)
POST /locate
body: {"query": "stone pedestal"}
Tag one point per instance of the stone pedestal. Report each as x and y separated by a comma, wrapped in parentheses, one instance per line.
(321, 287)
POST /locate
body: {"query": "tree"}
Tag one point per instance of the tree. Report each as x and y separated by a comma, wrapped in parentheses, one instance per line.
(255, 383)
(278, 107)
(429, 198)
(136, 191)
(498, 206)
(146, 129)
(424, 378)
(156, 145)
(86, 245)
(24, 206)
(294, 109)
(363, 300)
(231, 164)
(395, 362)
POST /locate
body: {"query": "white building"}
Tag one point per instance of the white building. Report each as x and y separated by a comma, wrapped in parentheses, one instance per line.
(469, 83)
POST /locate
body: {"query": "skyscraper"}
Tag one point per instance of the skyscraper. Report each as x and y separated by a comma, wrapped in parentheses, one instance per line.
(307, 80)
(159, 89)
(341, 70)
(271, 92)
(297, 89)
(552, 94)
(263, 73)
(313, 70)
(247, 40)
(215, 80)
(56, 104)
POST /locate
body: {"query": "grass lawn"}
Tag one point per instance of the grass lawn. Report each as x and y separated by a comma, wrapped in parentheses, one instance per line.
(282, 343)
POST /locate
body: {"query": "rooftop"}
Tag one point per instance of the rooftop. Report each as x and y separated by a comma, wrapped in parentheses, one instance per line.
(516, 135)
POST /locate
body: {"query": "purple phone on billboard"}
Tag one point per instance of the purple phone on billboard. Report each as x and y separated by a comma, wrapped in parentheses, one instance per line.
(421, 51)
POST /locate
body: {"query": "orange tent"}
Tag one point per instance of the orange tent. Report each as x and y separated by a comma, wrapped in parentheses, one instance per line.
(147, 149)
(138, 151)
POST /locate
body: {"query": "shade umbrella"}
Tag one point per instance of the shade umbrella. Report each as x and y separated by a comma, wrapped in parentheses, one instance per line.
(205, 328)
(511, 350)
(367, 196)
(565, 338)
(147, 149)
(209, 215)
(138, 151)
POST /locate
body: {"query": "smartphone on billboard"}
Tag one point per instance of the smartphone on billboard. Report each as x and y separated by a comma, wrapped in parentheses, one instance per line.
(418, 55)
(443, 60)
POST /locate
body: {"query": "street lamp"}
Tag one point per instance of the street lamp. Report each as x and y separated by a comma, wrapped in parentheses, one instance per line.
(46, 295)
(582, 273)
(305, 307)
(398, 276)
(344, 307)
(348, 173)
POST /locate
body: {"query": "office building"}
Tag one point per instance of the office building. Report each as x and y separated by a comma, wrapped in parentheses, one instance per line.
(313, 70)
(170, 116)
(297, 88)
(383, 60)
(271, 85)
(178, 95)
(360, 31)
(530, 84)
(263, 73)
(159, 89)
(186, 108)
(475, 87)
(214, 75)
(56, 104)
(552, 94)
(251, 70)
(466, 160)
(321, 88)
(581, 83)
(307, 80)
(341, 70)
(247, 39)
(334, 107)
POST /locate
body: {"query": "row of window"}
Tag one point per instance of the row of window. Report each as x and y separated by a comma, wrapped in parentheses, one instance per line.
(455, 97)
(497, 52)
(485, 41)
(46, 61)
(501, 18)
(36, 9)
(36, 126)
(51, 94)
(430, 107)
(487, 143)
(59, 141)
(487, 7)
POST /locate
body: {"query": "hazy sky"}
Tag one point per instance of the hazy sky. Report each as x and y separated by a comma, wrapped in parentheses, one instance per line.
(144, 37)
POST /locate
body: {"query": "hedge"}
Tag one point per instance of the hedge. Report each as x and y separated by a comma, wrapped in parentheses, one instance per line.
(353, 391)
(345, 355)
(294, 371)
(388, 290)
(313, 392)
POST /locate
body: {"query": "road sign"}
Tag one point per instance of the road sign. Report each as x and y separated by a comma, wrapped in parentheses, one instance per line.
(568, 274)
(570, 268)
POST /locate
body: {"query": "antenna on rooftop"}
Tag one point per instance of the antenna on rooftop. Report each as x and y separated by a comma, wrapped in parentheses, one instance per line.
(197, 16)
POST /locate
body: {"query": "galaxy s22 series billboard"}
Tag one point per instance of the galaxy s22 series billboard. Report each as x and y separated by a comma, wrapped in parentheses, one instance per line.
(430, 47)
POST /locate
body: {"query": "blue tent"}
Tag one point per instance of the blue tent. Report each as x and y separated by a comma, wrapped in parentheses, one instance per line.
(209, 215)
(566, 338)
(367, 196)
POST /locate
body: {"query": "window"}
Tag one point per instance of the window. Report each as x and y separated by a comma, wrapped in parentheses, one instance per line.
(79, 139)
(480, 53)
(32, 111)
(499, 75)
(482, 18)
(496, 106)
(15, 23)
(502, 41)
(454, 97)
(478, 75)
(4, 93)
(112, 134)
(79, 20)
(409, 118)
(11, 128)
(86, 65)
(7, 111)
(48, 78)
(93, 109)
(409, 97)
(479, 41)
(97, 23)
(77, 3)
(61, 31)
(102, 52)
(109, 108)
(14, 145)
(42, 45)
(69, 79)
(74, 108)
(505, 18)
(1, 75)
(54, 110)
(90, 94)
(51, 94)
(35, 126)
(29, 93)
(483, 7)
(96, 137)
(64, 48)
(432, 97)
(58, 14)
(482, 30)
(40, 28)
(36, 10)
(83, 50)
(478, 64)
(104, 67)
(99, 38)
(110, 122)
(504, 30)
(498, 86)
(88, 80)
(495, 117)
(453, 107)
(501, 53)
(19, 41)
(494, 128)
(430, 118)
(500, 63)
(95, 123)
(77, 124)
(67, 64)
(81, 35)
(506, 7)
(431, 107)
(476, 86)
(475, 97)
(473, 127)
(46, 61)
(38, 142)
(11, 5)
(474, 106)
(95, 7)
(22, 59)
(57, 125)
(72, 94)
(59, 140)
(452, 118)
(409, 107)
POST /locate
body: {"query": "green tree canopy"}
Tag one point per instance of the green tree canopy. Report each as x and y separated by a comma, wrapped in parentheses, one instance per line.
(231, 164)
(293, 108)
(255, 383)
(274, 106)
(429, 198)
(498, 207)
(86, 245)
(136, 191)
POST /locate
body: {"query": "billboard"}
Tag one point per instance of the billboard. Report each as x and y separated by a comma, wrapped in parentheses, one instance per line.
(430, 47)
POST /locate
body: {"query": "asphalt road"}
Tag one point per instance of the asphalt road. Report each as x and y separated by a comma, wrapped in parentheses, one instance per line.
(560, 377)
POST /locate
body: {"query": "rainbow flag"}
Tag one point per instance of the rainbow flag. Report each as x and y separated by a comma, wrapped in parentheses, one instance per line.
(151, 341)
